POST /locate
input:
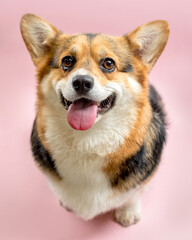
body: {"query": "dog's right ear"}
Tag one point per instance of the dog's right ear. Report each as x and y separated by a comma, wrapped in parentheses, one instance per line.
(38, 35)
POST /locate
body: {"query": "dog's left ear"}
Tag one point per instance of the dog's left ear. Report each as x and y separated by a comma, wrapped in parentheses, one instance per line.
(38, 35)
(148, 41)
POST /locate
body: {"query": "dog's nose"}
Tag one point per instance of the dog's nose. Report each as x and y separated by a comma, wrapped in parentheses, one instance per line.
(82, 83)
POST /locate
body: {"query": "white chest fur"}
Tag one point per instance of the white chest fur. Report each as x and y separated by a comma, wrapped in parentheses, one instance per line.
(79, 159)
(84, 187)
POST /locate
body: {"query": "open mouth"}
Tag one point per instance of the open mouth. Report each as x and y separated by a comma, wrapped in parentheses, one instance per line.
(82, 113)
(102, 107)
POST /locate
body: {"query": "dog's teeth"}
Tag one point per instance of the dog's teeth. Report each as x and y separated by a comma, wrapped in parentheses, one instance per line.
(65, 101)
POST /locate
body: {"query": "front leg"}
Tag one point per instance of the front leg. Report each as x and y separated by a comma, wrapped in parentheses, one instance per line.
(130, 213)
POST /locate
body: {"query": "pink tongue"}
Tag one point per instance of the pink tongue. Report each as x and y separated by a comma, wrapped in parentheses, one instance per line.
(81, 115)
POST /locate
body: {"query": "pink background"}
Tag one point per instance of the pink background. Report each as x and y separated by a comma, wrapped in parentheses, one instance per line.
(28, 209)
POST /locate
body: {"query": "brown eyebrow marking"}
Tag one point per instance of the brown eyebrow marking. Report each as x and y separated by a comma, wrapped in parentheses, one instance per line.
(65, 44)
(103, 53)
(73, 51)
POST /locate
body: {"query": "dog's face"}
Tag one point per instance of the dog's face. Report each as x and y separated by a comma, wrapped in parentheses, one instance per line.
(92, 75)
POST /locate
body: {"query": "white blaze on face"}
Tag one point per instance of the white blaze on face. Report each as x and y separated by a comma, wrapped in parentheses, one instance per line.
(65, 85)
(81, 114)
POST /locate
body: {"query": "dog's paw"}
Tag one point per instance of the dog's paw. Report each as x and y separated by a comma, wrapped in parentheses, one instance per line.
(126, 216)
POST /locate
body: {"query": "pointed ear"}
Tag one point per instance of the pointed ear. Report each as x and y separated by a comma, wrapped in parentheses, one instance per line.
(38, 35)
(149, 40)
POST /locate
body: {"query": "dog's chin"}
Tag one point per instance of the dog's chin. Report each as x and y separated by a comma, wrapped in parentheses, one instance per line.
(102, 106)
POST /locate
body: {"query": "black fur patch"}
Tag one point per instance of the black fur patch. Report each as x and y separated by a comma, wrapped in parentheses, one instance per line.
(142, 164)
(41, 155)
(127, 68)
(90, 36)
(53, 61)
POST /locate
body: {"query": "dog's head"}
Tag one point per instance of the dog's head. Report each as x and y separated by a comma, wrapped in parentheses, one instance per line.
(94, 75)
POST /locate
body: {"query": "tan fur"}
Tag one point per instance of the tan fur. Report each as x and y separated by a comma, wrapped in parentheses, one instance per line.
(83, 166)
(130, 147)
(160, 29)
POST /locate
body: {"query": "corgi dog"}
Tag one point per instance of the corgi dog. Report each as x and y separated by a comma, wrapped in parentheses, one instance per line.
(100, 127)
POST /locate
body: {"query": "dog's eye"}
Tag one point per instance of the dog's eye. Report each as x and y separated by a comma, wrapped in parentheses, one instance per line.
(67, 62)
(107, 65)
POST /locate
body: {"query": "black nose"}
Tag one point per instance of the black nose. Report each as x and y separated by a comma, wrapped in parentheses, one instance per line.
(82, 83)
